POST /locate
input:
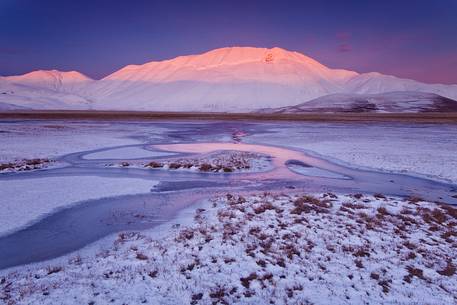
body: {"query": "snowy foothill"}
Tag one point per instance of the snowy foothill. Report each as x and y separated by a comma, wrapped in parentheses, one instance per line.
(265, 248)
(390, 102)
(24, 201)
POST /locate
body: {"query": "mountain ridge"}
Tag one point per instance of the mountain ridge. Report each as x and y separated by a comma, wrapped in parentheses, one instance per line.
(233, 79)
(388, 102)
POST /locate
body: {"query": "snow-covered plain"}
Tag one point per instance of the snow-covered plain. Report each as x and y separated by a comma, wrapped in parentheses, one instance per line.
(265, 248)
(36, 198)
(43, 139)
(422, 150)
(286, 248)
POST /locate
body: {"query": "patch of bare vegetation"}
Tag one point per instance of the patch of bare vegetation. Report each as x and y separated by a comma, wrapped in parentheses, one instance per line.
(24, 165)
(226, 162)
(272, 248)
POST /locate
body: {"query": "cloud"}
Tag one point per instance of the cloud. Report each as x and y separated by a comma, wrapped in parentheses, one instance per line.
(344, 44)
(343, 36)
(344, 47)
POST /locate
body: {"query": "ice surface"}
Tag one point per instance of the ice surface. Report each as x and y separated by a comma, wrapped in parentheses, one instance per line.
(25, 200)
(126, 153)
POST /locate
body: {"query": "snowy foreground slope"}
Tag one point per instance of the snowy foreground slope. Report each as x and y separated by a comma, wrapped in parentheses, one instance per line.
(264, 249)
(232, 79)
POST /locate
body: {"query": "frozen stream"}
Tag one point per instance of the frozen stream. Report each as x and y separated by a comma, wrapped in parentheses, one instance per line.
(72, 228)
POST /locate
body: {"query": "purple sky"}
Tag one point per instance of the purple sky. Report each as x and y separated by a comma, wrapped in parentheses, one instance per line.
(411, 39)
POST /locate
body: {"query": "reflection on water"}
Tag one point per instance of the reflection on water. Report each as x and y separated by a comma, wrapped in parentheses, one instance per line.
(307, 170)
(71, 229)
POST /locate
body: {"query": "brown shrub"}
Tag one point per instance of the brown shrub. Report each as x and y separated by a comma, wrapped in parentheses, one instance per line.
(448, 234)
(306, 204)
(411, 255)
(374, 276)
(153, 164)
(439, 216)
(409, 245)
(141, 256)
(261, 263)
(379, 196)
(174, 165)
(358, 263)
(450, 211)
(405, 211)
(263, 207)
(4, 166)
(415, 272)
(414, 199)
(196, 297)
(281, 262)
(205, 167)
(51, 270)
(385, 286)
(246, 281)
(361, 252)
(355, 206)
(34, 161)
(218, 293)
(290, 250)
(449, 270)
(382, 211)
(185, 234)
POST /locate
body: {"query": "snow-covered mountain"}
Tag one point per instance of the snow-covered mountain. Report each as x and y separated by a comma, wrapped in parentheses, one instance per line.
(232, 79)
(45, 90)
(228, 79)
(393, 102)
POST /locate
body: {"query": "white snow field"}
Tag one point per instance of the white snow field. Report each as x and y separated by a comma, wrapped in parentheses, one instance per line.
(265, 249)
(24, 201)
(285, 248)
(42, 139)
(233, 79)
(416, 149)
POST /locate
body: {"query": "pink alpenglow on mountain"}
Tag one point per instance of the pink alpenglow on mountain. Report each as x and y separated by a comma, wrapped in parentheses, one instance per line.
(235, 79)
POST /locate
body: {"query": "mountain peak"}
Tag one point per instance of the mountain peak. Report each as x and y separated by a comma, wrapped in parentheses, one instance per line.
(239, 55)
(50, 75)
(248, 59)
